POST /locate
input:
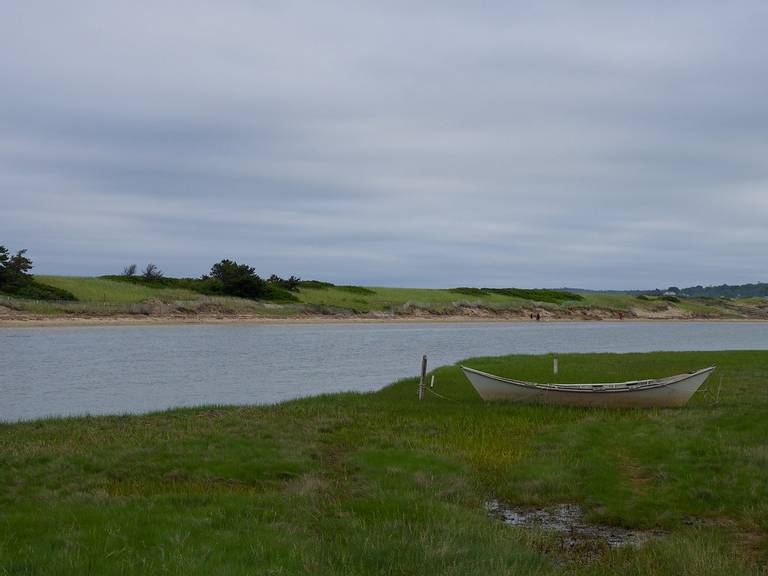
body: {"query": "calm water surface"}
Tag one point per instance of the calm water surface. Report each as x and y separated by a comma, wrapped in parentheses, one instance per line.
(116, 369)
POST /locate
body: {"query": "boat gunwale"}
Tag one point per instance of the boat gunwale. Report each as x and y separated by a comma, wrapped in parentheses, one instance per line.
(607, 387)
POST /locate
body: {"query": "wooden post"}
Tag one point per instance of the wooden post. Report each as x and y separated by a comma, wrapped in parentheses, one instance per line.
(423, 380)
(554, 366)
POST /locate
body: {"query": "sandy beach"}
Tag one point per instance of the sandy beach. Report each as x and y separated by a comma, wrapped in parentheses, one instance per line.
(13, 319)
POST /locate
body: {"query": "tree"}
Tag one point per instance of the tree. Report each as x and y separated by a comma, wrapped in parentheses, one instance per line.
(4, 272)
(129, 270)
(19, 264)
(14, 268)
(152, 272)
(291, 283)
(238, 279)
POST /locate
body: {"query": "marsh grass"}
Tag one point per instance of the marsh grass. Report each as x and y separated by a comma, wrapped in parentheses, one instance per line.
(382, 484)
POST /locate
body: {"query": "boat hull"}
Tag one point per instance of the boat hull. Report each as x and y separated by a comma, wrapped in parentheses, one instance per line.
(673, 394)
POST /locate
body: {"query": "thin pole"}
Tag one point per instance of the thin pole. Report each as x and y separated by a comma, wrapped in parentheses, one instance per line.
(423, 380)
(554, 365)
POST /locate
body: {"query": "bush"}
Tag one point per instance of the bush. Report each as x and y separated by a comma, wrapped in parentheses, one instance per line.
(236, 279)
(241, 280)
(538, 294)
(669, 298)
(34, 290)
(470, 291)
(279, 294)
(290, 284)
(152, 272)
(315, 284)
(195, 284)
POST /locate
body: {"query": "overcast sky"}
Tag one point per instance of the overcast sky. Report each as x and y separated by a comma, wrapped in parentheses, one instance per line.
(537, 144)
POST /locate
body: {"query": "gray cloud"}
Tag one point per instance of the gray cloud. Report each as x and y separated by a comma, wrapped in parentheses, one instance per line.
(607, 144)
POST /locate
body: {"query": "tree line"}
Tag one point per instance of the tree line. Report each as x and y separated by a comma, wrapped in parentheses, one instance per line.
(758, 289)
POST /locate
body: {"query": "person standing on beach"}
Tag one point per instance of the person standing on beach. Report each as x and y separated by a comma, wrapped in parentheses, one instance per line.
(538, 316)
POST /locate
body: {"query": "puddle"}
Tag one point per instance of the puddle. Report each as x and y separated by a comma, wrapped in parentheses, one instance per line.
(568, 519)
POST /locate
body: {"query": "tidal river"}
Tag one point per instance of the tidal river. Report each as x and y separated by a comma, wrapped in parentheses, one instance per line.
(118, 369)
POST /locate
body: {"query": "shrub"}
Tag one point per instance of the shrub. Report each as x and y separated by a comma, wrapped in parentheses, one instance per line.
(290, 284)
(470, 291)
(669, 298)
(34, 290)
(355, 289)
(538, 294)
(236, 279)
(152, 272)
(315, 284)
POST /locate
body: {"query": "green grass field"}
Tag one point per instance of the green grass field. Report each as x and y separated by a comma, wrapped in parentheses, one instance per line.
(100, 290)
(104, 297)
(382, 484)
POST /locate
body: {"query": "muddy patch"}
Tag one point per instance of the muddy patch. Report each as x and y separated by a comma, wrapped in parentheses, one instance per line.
(568, 521)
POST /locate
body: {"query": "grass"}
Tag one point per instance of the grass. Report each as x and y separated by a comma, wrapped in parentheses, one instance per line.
(100, 290)
(382, 484)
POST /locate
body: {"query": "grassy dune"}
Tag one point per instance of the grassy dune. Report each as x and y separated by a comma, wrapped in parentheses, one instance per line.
(89, 289)
(382, 484)
(105, 297)
(384, 299)
(101, 290)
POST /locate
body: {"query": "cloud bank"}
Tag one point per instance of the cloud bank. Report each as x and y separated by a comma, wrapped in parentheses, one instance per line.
(599, 144)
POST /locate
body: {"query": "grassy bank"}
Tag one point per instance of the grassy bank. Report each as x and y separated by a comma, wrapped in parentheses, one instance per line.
(101, 297)
(381, 484)
(88, 289)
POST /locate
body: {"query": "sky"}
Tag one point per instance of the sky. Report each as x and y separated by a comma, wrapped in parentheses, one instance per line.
(595, 144)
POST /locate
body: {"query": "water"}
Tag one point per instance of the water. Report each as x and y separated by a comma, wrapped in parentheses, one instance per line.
(569, 520)
(117, 369)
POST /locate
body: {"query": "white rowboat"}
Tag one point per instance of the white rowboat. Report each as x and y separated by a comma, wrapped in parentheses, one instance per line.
(670, 391)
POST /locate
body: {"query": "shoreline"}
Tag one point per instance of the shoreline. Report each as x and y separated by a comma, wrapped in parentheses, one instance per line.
(52, 322)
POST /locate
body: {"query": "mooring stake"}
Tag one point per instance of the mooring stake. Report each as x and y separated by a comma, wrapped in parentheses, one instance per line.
(423, 380)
